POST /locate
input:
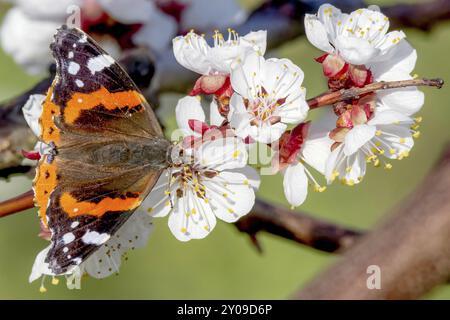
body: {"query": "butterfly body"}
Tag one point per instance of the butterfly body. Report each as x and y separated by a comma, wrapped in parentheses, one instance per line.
(107, 151)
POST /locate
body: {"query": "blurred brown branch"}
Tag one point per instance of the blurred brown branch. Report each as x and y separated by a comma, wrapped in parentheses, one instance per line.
(423, 15)
(411, 247)
(296, 226)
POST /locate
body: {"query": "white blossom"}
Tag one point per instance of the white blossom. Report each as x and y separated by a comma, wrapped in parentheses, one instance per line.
(204, 183)
(268, 96)
(193, 52)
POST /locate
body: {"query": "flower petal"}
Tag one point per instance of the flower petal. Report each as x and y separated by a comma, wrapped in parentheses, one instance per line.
(192, 218)
(231, 195)
(295, 184)
(32, 111)
(222, 154)
(215, 118)
(191, 51)
(247, 74)
(316, 151)
(317, 34)
(357, 137)
(188, 108)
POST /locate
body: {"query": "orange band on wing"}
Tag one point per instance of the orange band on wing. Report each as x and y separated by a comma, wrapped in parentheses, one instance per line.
(44, 183)
(109, 100)
(75, 208)
(49, 131)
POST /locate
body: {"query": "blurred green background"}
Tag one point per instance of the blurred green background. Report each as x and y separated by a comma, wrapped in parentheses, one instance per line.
(225, 265)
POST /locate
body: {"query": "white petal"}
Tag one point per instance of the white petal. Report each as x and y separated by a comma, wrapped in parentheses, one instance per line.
(108, 258)
(395, 140)
(188, 108)
(389, 117)
(231, 195)
(40, 267)
(222, 154)
(247, 74)
(295, 184)
(355, 50)
(157, 203)
(215, 118)
(32, 111)
(281, 77)
(405, 100)
(29, 43)
(402, 59)
(251, 174)
(317, 34)
(316, 151)
(186, 225)
(267, 133)
(191, 51)
(257, 40)
(357, 137)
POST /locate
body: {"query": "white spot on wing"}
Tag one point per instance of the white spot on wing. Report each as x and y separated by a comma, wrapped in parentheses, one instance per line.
(74, 224)
(79, 83)
(99, 63)
(93, 237)
(73, 68)
(77, 261)
(68, 237)
(70, 55)
(65, 249)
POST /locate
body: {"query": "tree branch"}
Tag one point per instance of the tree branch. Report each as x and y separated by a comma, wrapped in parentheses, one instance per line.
(411, 247)
(17, 204)
(333, 97)
(296, 226)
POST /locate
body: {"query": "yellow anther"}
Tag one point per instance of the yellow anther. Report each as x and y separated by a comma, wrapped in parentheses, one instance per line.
(416, 134)
(184, 230)
(230, 210)
(42, 289)
(415, 126)
(348, 169)
(350, 182)
(378, 133)
(193, 211)
(402, 140)
(392, 151)
(381, 151)
(322, 189)
(246, 182)
(418, 119)
(206, 228)
(388, 166)
(236, 154)
(167, 204)
(166, 192)
(55, 281)
(376, 163)
(377, 143)
(225, 195)
(150, 210)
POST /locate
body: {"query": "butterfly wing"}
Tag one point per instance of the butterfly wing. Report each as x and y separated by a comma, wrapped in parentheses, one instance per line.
(108, 150)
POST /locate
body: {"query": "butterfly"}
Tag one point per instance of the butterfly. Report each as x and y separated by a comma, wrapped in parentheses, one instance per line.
(107, 150)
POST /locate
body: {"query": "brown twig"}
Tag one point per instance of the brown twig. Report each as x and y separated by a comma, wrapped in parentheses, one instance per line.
(411, 248)
(17, 204)
(276, 220)
(296, 226)
(332, 97)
